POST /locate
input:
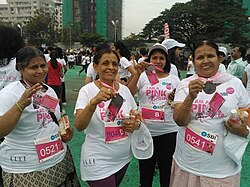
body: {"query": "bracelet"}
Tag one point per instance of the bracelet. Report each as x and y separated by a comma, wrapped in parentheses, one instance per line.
(18, 106)
(185, 107)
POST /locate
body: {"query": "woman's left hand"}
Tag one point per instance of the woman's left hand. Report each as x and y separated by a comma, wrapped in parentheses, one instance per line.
(131, 124)
(240, 128)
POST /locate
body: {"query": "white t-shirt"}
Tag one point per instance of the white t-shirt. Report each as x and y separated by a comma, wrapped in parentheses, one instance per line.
(142, 59)
(47, 57)
(63, 63)
(173, 70)
(222, 68)
(91, 72)
(124, 64)
(33, 124)
(219, 164)
(9, 73)
(98, 159)
(190, 68)
(155, 97)
(247, 70)
(71, 58)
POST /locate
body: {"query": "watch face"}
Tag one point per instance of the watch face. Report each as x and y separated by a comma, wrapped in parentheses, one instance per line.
(209, 87)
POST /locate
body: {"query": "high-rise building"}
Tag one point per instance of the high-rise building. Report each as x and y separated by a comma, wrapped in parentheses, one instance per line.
(18, 11)
(95, 16)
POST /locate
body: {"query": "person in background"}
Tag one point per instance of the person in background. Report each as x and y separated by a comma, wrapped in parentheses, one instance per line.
(33, 150)
(190, 67)
(126, 69)
(237, 66)
(143, 55)
(154, 101)
(55, 73)
(222, 59)
(62, 61)
(83, 63)
(10, 42)
(47, 53)
(173, 54)
(71, 59)
(200, 158)
(246, 76)
(104, 160)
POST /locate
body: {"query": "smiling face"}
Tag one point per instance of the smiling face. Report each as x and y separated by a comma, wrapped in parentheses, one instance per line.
(36, 71)
(158, 59)
(206, 61)
(107, 67)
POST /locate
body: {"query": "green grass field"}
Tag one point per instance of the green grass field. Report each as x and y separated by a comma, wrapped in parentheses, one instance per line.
(131, 179)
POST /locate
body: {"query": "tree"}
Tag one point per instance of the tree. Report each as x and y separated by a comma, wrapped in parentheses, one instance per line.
(222, 21)
(133, 41)
(90, 39)
(41, 29)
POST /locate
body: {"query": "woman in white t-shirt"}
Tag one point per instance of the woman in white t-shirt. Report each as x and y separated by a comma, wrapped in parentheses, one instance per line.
(202, 103)
(106, 152)
(126, 68)
(33, 150)
(190, 67)
(155, 106)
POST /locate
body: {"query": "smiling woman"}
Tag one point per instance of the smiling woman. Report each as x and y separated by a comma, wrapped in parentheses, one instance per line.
(33, 148)
(100, 109)
(202, 103)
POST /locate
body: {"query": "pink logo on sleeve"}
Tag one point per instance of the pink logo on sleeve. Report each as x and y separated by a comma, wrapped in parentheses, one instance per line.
(230, 90)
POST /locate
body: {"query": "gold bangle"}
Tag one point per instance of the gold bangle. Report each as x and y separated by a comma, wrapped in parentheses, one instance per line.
(18, 106)
(185, 107)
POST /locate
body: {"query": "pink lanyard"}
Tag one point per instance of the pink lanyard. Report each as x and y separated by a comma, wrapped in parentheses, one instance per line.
(159, 69)
(107, 86)
(211, 79)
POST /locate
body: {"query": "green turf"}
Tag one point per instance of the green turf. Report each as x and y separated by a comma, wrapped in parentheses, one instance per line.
(73, 84)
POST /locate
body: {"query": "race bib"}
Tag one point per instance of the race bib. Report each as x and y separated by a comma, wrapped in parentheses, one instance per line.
(44, 100)
(114, 132)
(48, 147)
(201, 140)
(153, 115)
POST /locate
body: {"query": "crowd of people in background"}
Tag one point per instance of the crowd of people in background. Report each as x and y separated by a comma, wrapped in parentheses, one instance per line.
(131, 104)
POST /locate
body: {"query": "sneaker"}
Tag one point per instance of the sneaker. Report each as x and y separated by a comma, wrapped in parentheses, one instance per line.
(64, 104)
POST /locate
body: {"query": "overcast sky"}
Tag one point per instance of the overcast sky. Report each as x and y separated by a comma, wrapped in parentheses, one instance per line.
(137, 13)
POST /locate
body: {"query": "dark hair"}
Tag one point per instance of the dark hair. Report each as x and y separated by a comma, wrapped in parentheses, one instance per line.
(59, 52)
(243, 51)
(171, 55)
(143, 51)
(123, 50)
(101, 52)
(25, 55)
(102, 46)
(53, 56)
(167, 65)
(206, 42)
(10, 42)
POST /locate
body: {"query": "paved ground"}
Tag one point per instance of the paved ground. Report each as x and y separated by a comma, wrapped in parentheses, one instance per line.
(73, 84)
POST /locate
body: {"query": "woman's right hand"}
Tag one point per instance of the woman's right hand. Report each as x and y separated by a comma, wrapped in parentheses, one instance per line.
(103, 95)
(140, 67)
(195, 86)
(26, 98)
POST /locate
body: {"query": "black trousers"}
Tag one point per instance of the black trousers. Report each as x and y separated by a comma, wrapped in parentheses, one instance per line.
(63, 93)
(164, 147)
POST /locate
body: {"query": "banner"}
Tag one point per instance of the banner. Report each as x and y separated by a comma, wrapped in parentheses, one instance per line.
(166, 31)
